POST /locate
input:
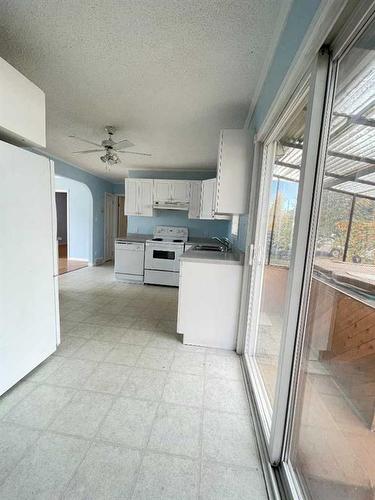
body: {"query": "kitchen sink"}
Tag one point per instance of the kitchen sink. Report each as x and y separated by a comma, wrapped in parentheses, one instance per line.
(209, 248)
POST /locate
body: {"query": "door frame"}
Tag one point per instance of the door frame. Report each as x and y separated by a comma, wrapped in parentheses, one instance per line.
(67, 220)
(108, 196)
(267, 147)
(115, 213)
(351, 31)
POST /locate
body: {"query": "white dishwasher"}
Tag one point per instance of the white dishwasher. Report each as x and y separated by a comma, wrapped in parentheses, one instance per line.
(129, 261)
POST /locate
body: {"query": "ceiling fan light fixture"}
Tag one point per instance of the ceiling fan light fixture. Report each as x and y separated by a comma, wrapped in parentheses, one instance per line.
(109, 147)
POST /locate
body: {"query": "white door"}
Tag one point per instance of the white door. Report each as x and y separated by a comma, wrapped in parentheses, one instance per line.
(180, 191)
(162, 190)
(146, 193)
(28, 295)
(109, 239)
(131, 197)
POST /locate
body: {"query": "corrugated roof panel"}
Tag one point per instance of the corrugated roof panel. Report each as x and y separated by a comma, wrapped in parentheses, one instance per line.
(286, 172)
(356, 188)
(360, 93)
(369, 177)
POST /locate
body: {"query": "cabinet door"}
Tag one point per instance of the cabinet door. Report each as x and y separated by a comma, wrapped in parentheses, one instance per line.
(208, 199)
(131, 197)
(180, 191)
(162, 190)
(233, 172)
(146, 196)
(195, 199)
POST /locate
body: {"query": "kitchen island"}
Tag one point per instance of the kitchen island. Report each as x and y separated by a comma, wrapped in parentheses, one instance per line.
(209, 298)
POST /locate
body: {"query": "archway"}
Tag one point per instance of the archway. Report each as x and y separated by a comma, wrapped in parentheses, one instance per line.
(79, 222)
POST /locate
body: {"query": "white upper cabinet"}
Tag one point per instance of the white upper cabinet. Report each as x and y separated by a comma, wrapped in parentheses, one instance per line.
(131, 197)
(162, 190)
(233, 172)
(22, 108)
(180, 191)
(207, 210)
(171, 191)
(195, 199)
(139, 197)
(146, 190)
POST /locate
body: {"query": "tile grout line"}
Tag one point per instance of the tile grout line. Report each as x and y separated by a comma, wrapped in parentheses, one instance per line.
(201, 428)
(144, 450)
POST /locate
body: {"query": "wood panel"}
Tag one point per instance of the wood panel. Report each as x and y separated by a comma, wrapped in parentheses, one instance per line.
(349, 351)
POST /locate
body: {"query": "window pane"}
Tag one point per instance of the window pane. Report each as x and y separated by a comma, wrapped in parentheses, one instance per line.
(281, 211)
(362, 233)
(333, 225)
(334, 439)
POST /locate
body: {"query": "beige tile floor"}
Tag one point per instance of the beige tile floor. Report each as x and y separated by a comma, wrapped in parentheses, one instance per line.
(124, 409)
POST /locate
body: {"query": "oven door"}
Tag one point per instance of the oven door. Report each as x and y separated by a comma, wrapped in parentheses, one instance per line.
(163, 257)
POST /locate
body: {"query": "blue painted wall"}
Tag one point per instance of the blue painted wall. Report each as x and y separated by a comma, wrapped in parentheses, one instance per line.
(197, 228)
(80, 208)
(97, 187)
(299, 19)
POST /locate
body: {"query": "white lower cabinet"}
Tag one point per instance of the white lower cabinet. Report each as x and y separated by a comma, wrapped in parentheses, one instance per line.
(208, 303)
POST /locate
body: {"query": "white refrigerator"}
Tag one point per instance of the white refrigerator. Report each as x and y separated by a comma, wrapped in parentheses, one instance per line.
(29, 308)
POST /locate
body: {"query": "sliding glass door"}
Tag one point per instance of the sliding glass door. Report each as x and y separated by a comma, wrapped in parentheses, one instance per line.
(286, 188)
(310, 343)
(274, 247)
(333, 447)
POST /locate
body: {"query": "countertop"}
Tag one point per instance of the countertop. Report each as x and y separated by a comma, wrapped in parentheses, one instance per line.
(136, 237)
(141, 238)
(205, 256)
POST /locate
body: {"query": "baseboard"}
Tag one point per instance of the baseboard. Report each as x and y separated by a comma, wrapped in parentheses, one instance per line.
(99, 261)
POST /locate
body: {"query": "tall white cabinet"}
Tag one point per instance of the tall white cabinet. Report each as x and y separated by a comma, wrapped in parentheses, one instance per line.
(29, 316)
(233, 172)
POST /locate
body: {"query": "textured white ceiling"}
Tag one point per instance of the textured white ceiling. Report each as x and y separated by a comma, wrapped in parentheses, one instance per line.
(168, 73)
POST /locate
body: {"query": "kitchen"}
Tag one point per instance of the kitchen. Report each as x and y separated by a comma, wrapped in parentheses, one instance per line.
(170, 256)
(218, 339)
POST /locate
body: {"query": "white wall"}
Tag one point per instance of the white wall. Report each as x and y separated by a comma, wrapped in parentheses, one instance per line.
(80, 206)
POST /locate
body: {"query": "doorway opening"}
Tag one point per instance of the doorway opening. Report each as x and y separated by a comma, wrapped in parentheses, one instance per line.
(115, 222)
(74, 224)
(61, 198)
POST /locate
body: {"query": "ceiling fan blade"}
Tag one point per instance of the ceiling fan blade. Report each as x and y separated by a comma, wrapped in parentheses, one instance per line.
(134, 153)
(84, 140)
(124, 144)
(88, 151)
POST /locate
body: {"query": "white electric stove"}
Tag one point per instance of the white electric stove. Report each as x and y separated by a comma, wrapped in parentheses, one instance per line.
(162, 255)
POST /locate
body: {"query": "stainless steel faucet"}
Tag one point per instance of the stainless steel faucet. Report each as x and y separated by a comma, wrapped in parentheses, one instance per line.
(225, 242)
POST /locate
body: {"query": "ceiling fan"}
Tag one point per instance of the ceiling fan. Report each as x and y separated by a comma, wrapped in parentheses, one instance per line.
(109, 147)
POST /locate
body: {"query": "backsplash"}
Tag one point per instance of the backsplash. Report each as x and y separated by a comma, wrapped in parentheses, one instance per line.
(197, 228)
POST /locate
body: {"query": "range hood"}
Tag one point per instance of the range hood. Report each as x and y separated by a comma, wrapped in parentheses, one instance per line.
(171, 205)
